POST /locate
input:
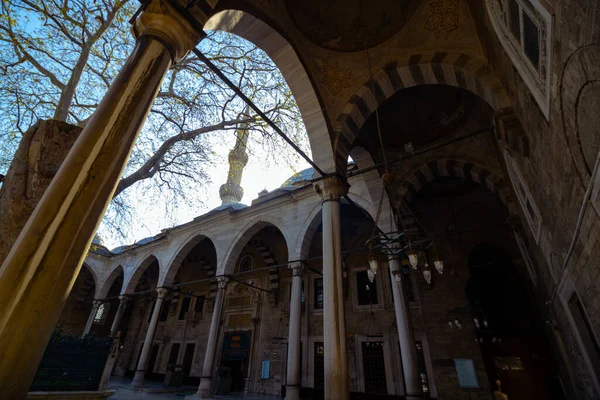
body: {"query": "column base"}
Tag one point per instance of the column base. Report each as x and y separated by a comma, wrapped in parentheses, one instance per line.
(204, 389)
(292, 393)
(138, 379)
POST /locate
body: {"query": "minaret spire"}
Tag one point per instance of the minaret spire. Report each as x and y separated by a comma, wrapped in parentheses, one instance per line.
(232, 192)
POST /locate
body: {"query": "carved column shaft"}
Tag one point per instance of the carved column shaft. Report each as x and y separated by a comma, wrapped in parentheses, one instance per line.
(43, 263)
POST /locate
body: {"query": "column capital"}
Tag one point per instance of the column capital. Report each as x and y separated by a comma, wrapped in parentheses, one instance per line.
(161, 292)
(222, 281)
(297, 268)
(96, 303)
(124, 298)
(177, 32)
(332, 188)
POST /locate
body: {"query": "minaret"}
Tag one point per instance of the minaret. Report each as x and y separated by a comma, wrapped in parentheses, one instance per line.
(232, 192)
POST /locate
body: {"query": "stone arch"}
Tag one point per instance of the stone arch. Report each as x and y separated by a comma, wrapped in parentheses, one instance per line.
(437, 68)
(129, 287)
(94, 276)
(306, 233)
(312, 222)
(243, 239)
(108, 282)
(374, 188)
(244, 236)
(460, 169)
(285, 58)
(181, 254)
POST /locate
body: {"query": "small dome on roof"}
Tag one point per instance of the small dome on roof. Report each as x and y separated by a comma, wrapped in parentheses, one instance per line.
(98, 240)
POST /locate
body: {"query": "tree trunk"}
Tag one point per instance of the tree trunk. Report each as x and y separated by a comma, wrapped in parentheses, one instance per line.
(41, 152)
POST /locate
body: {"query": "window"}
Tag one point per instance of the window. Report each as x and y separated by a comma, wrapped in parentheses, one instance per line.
(584, 334)
(366, 290)
(319, 368)
(422, 366)
(524, 28)
(532, 214)
(101, 313)
(318, 293)
(164, 312)
(174, 355)
(199, 306)
(584, 328)
(245, 263)
(185, 307)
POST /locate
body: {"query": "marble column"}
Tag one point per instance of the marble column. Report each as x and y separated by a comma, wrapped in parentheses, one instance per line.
(39, 271)
(334, 328)
(140, 372)
(408, 351)
(205, 388)
(90, 321)
(123, 300)
(294, 378)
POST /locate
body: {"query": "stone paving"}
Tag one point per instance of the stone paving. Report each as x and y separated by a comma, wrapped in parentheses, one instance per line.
(156, 391)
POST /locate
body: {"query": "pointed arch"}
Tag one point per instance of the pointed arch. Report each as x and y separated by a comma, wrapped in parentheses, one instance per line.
(285, 58)
(102, 292)
(419, 177)
(181, 254)
(95, 278)
(437, 68)
(307, 232)
(134, 279)
(244, 236)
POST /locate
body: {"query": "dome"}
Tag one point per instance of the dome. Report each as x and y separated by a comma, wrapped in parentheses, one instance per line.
(300, 179)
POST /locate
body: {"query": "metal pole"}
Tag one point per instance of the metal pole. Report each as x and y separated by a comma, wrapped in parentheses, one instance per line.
(253, 106)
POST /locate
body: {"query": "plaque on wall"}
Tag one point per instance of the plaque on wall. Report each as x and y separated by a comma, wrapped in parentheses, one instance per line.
(265, 372)
(465, 370)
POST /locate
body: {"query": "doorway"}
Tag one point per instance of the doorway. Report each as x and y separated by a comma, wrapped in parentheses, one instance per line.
(511, 333)
(150, 375)
(374, 367)
(188, 357)
(235, 358)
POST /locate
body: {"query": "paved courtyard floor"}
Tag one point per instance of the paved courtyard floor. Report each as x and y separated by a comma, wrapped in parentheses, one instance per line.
(156, 391)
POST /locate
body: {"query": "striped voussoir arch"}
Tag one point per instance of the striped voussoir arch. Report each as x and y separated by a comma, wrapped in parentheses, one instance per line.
(273, 272)
(473, 74)
(460, 169)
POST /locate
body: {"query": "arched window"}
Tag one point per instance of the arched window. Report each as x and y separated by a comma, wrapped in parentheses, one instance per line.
(530, 209)
(101, 314)
(524, 27)
(245, 263)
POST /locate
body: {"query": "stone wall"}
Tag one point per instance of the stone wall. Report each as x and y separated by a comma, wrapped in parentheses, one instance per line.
(558, 169)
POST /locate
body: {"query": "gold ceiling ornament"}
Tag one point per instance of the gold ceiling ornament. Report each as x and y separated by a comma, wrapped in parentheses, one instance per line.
(336, 77)
(443, 16)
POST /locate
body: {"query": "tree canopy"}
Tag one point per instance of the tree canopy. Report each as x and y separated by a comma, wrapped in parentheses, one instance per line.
(58, 58)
